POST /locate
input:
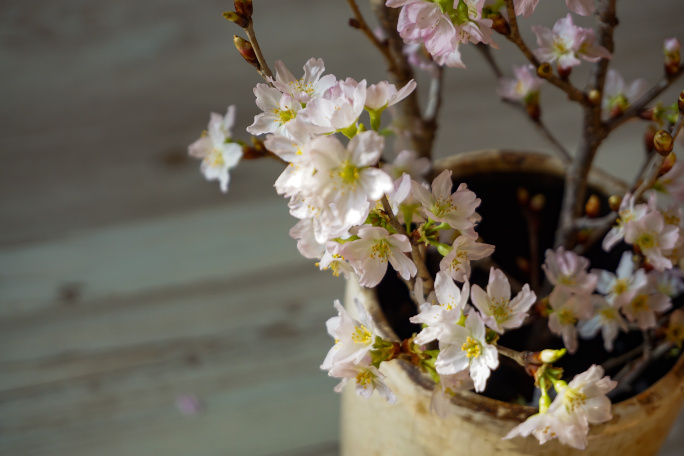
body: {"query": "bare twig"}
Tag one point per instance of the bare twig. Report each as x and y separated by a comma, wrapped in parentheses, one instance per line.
(631, 371)
(363, 26)
(263, 69)
(434, 96)
(598, 222)
(538, 124)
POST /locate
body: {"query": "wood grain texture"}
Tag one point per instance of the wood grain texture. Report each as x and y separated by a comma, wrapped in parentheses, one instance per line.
(126, 280)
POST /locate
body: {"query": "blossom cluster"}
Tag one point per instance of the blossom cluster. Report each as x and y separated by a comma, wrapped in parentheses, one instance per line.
(361, 209)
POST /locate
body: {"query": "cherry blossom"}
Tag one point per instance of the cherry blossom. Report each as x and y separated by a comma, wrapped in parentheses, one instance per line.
(457, 209)
(464, 249)
(548, 426)
(345, 177)
(354, 338)
(621, 287)
(670, 186)
(383, 94)
(653, 236)
(279, 110)
(465, 347)
(607, 319)
(643, 307)
(629, 212)
(369, 255)
(567, 43)
(584, 399)
(567, 310)
(216, 149)
(524, 87)
(618, 95)
(581, 7)
(309, 86)
(566, 269)
(334, 261)
(498, 311)
(407, 161)
(449, 385)
(368, 379)
(439, 319)
(338, 109)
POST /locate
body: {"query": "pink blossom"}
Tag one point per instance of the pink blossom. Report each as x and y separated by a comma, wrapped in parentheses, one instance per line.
(565, 269)
(607, 319)
(457, 209)
(581, 7)
(279, 110)
(498, 310)
(618, 95)
(567, 310)
(464, 249)
(523, 87)
(629, 212)
(566, 43)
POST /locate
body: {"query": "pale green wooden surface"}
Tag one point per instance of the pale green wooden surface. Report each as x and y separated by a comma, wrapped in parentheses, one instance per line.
(126, 280)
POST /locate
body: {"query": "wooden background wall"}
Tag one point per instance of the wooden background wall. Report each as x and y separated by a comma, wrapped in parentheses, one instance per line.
(127, 281)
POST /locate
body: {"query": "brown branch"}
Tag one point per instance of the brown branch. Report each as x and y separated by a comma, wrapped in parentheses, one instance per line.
(422, 131)
(263, 69)
(635, 108)
(434, 96)
(594, 132)
(363, 26)
(514, 37)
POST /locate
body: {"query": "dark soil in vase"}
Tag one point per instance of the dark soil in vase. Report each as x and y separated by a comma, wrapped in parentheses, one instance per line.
(505, 225)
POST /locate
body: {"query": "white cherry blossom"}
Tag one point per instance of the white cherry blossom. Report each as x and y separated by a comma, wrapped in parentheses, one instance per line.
(440, 318)
(345, 177)
(629, 212)
(354, 338)
(218, 153)
(370, 254)
(407, 162)
(498, 310)
(643, 307)
(567, 310)
(309, 86)
(565, 269)
(620, 287)
(279, 111)
(383, 94)
(607, 319)
(466, 348)
(457, 209)
(338, 109)
(653, 237)
(464, 250)
(367, 379)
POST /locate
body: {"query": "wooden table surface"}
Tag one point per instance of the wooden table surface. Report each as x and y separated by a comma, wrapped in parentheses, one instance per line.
(128, 282)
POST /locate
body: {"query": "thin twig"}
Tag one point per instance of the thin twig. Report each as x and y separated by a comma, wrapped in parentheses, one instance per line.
(512, 354)
(572, 92)
(363, 26)
(434, 96)
(584, 223)
(538, 124)
(631, 371)
(263, 69)
(635, 108)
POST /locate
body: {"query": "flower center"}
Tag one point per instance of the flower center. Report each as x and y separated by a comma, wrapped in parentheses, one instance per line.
(500, 310)
(215, 159)
(380, 250)
(472, 348)
(361, 335)
(443, 206)
(348, 172)
(647, 241)
(572, 399)
(284, 116)
(566, 317)
(364, 378)
(620, 286)
(640, 303)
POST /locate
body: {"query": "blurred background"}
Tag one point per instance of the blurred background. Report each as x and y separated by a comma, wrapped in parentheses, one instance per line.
(142, 311)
